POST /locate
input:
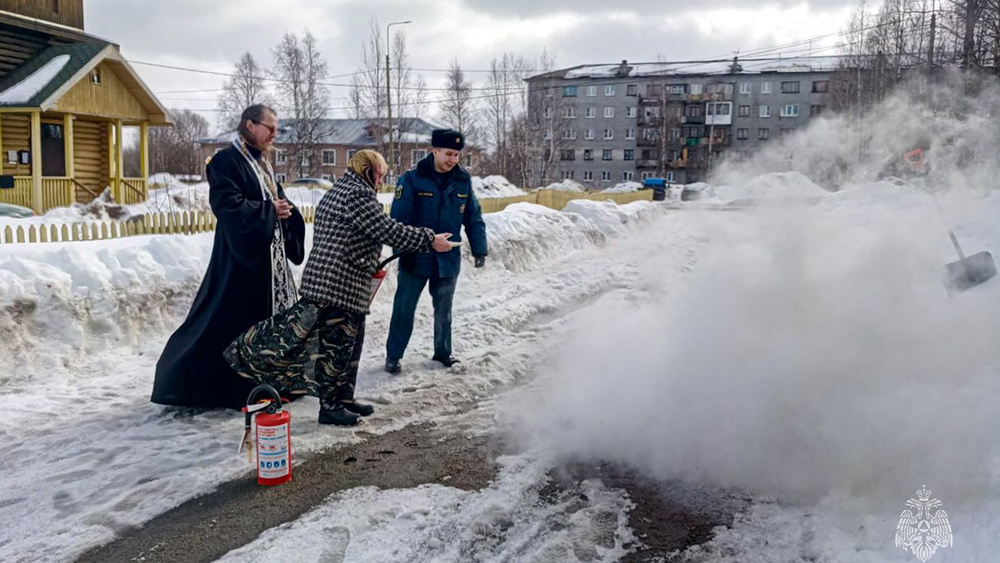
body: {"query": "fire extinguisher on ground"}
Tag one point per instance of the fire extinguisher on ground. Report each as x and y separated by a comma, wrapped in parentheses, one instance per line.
(268, 432)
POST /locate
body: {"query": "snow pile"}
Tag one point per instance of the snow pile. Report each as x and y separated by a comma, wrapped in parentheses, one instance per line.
(495, 186)
(439, 523)
(305, 196)
(623, 187)
(163, 180)
(607, 216)
(28, 88)
(773, 185)
(566, 186)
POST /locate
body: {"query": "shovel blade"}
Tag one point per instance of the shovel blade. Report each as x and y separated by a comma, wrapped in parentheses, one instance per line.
(974, 270)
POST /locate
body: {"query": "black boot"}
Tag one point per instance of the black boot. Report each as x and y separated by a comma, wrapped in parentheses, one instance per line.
(391, 365)
(357, 408)
(447, 361)
(335, 413)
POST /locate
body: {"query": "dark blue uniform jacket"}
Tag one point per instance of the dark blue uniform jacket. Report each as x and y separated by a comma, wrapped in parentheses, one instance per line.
(444, 203)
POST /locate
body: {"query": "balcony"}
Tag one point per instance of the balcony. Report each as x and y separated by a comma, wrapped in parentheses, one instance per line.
(647, 163)
(692, 141)
(647, 142)
(677, 164)
(693, 120)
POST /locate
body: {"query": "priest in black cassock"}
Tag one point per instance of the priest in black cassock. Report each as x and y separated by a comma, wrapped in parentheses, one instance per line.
(248, 278)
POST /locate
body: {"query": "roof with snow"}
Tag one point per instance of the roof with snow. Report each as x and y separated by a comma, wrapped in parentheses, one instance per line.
(625, 69)
(40, 81)
(354, 132)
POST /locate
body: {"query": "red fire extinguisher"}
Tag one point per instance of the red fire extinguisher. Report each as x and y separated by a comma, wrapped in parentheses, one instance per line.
(268, 431)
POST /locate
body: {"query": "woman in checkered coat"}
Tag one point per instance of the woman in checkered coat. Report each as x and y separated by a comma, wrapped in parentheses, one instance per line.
(314, 347)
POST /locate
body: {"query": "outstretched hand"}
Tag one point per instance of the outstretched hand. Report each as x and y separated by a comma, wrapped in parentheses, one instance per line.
(441, 243)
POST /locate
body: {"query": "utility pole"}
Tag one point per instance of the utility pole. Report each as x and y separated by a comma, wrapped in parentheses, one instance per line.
(388, 100)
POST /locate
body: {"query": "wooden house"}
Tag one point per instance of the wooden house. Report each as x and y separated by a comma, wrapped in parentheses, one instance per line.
(65, 97)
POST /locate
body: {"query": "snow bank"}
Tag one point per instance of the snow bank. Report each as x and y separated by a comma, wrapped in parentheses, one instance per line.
(773, 185)
(623, 187)
(495, 186)
(565, 186)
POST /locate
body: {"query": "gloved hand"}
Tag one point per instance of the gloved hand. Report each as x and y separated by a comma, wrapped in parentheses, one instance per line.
(480, 261)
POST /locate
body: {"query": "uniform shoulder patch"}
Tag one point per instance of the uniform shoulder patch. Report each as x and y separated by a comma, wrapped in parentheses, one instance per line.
(399, 191)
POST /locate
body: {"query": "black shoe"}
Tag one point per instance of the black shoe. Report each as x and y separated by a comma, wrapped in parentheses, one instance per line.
(448, 362)
(392, 366)
(336, 414)
(358, 408)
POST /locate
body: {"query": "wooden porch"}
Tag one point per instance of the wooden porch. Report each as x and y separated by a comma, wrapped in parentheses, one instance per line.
(77, 158)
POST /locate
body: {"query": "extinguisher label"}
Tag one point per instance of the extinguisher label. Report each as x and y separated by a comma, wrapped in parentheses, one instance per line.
(272, 451)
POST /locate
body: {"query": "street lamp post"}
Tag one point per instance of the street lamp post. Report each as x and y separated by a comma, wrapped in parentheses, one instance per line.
(388, 97)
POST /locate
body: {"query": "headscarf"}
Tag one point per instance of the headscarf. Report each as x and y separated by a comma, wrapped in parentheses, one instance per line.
(367, 163)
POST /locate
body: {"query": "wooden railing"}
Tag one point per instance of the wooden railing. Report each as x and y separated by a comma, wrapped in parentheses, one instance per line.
(57, 192)
(131, 190)
(193, 222)
(20, 194)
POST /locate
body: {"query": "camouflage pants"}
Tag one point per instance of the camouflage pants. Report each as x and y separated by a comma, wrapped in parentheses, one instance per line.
(308, 349)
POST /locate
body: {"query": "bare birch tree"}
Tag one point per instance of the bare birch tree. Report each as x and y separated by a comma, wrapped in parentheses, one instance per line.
(303, 99)
(243, 89)
(458, 108)
(368, 94)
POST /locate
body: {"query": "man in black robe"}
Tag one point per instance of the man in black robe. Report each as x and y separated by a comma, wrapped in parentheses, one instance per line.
(248, 277)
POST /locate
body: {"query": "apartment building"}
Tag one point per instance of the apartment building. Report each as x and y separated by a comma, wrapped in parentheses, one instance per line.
(605, 124)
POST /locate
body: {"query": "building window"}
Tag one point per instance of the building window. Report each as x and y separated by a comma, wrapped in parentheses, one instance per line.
(765, 87)
(588, 134)
(694, 111)
(609, 90)
(630, 134)
(675, 134)
(785, 131)
(670, 177)
(351, 153)
(695, 89)
(816, 109)
(609, 112)
(548, 113)
(569, 134)
(742, 133)
(567, 155)
(765, 111)
(627, 176)
(588, 154)
(280, 156)
(329, 157)
(650, 134)
(763, 133)
(629, 154)
(719, 108)
(609, 133)
(588, 175)
(606, 155)
(325, 176)
(591, 113)
(821, 86)
(606, 176)
(678, 89)
(417, 155)
(645, 175)
(569, 91)
(790, 87)
(630, 111)
(569, 113)
(591, 90)
(548, 134)
(744, 111)
(632, 90)
(281, 178)
(745, 88)
(95, 76)
(790, 110)
(788, 155)
(567, 174)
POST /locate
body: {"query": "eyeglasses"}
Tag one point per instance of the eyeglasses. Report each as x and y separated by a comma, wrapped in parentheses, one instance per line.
(272, 128)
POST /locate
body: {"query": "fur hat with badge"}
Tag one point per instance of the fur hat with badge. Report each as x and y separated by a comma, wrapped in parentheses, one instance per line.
(447, 139)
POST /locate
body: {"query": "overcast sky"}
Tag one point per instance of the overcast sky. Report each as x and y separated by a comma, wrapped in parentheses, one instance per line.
(207, 35)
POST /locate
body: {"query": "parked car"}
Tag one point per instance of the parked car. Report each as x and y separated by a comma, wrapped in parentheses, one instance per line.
(11, 210)
(312, 183)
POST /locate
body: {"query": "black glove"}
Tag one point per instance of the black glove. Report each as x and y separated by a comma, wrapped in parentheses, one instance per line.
(480, 261)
